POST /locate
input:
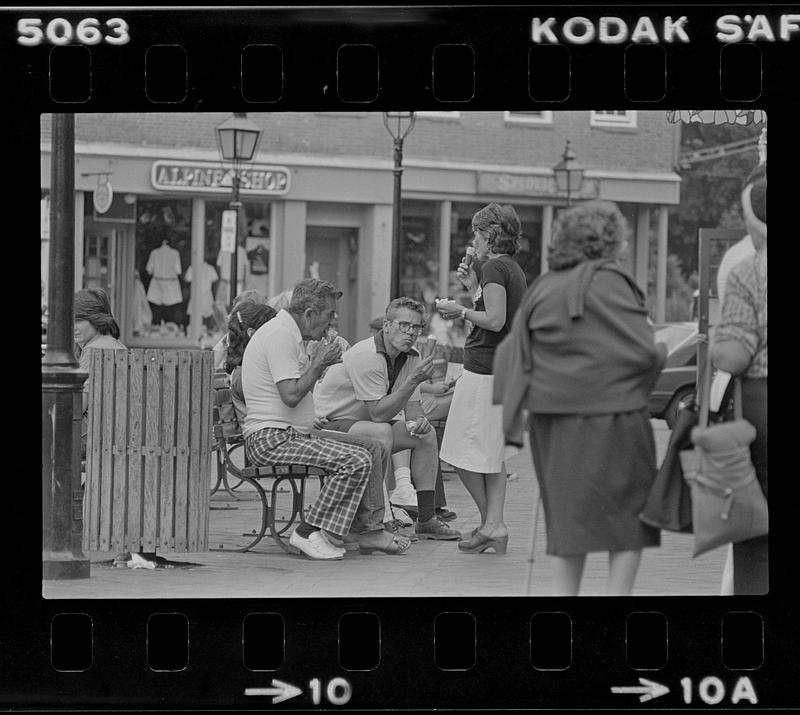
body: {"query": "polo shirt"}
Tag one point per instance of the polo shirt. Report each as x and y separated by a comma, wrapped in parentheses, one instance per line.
(275, 352)
(362, 376)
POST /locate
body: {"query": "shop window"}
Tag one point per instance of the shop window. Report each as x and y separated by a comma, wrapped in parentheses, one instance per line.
(529, 255)
(532, 118)
(613, 118)
(252, 267)
(419, 251)
(162, 255)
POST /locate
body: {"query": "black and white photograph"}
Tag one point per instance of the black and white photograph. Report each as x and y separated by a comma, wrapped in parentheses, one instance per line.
(333, 354)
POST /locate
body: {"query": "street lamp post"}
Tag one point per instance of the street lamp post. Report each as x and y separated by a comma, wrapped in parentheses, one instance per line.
(62, 380)
(398, 124)
(238, 139)
(568, 173)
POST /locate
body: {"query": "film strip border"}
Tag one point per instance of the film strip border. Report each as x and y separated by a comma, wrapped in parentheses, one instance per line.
(483, 654)
(361, 58)
(498, 654)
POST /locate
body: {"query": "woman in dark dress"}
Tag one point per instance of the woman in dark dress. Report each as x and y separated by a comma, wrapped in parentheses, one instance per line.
(594, 361)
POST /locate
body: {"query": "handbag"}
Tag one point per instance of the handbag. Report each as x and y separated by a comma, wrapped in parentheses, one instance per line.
(728, 504)
(669, 502)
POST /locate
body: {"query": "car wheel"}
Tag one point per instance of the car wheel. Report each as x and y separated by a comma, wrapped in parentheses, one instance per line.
(671, 413)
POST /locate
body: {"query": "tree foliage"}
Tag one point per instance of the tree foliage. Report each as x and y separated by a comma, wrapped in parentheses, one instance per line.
(710, 189)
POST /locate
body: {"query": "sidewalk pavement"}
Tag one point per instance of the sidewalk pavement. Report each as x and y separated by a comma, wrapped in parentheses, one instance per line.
(431, 568)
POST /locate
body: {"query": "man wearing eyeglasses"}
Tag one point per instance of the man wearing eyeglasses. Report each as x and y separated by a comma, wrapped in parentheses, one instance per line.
(378, 378)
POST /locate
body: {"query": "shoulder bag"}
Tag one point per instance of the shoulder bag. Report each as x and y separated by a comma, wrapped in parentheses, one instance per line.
(728, 504)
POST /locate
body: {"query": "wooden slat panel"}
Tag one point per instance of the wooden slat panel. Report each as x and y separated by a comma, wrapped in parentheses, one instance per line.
(106, 461)
(120, 447)
(182, 441)
(135, 455)
(166, 538)
(192, 497)
(206, 442)
(91, 525)
(149, 454)
(152, 448)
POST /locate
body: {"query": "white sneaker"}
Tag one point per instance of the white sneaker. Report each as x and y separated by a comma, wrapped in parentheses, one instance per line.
(329, 540)
(404, 494)
(314, 546)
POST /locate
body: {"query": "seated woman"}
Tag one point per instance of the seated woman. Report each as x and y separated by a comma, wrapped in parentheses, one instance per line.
(94, 328)
(220, 349)
(246, 318)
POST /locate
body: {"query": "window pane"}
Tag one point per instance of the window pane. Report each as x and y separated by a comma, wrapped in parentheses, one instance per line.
(163, 253)
(252, 267)
(419, 251)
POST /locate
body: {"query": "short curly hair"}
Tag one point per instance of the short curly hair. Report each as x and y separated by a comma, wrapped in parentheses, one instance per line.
(588, 230)
(501, 227)
(406, 302)
(312, 293)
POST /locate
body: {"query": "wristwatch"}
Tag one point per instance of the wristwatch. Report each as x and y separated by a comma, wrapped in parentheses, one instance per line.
(463, 314)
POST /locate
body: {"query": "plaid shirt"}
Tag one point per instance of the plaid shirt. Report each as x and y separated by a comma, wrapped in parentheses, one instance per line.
(744, 312)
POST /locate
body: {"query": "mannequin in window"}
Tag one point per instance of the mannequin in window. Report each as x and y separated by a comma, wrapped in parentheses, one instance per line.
(142, 314)
(203, 285)
(164, 292)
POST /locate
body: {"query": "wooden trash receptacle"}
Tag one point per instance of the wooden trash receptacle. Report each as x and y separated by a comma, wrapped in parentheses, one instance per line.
(148, 451)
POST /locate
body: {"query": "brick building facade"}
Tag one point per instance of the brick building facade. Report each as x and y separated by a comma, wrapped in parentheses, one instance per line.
(318, 201)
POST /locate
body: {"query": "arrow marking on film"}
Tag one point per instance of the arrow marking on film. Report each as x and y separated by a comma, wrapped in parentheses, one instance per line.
(280, 690)
(648, 690)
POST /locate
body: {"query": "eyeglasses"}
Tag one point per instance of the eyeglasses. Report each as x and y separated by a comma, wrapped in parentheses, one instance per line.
(410, 328)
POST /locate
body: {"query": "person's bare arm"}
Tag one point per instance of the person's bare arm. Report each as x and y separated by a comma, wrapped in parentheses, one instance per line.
(388, 406)
(492, 318)
(294, 390)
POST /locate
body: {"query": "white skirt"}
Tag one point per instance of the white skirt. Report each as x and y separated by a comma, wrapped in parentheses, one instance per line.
(473, 436)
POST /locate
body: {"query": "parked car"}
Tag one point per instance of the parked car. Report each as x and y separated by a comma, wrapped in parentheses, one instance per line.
(678, 378)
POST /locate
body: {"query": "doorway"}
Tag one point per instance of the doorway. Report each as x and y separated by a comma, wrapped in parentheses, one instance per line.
(332, 255)
(104, 265)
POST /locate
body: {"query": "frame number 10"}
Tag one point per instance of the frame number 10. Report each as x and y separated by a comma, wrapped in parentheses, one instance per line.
(337, 692)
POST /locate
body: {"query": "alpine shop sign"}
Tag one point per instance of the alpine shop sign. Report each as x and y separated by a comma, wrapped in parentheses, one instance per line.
(206, 176)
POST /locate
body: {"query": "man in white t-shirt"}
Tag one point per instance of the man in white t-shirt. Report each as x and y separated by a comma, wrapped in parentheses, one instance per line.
(277, 381)
(378, 378)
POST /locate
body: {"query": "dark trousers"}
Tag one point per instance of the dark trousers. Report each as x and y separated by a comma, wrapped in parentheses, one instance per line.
(750, 558)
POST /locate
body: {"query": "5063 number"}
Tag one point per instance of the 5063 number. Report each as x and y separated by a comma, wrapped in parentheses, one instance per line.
(32, 31)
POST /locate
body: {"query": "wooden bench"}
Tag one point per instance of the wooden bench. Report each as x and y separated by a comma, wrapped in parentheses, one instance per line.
(228, 437)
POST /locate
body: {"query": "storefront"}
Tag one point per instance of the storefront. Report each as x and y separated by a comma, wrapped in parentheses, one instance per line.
(440, 200)
(156, 247)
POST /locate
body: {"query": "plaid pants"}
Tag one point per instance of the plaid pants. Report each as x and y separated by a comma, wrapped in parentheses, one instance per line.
(371, 510)
(349, 467)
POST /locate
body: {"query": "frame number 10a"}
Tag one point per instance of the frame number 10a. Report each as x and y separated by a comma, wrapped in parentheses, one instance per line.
(711, 691)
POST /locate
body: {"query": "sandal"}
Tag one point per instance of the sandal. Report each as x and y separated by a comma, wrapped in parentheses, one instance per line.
(397, 546)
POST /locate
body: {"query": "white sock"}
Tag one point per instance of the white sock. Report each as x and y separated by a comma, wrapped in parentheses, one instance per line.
(401, 474)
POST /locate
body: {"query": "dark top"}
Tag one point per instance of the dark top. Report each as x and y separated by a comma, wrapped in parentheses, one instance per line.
(591, 347)
(481, 343)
